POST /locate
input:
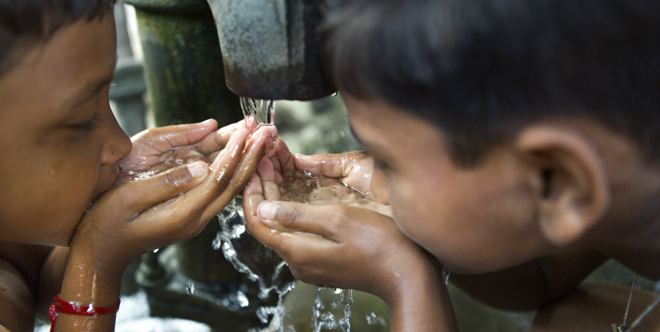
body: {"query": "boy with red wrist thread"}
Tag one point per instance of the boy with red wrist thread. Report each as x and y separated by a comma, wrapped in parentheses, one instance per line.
(516, 144)
(80, 200)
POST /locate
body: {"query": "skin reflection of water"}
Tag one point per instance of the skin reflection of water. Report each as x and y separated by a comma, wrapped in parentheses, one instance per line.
(319, 190)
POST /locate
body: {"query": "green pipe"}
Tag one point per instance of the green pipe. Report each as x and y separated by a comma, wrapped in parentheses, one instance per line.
(183, 63)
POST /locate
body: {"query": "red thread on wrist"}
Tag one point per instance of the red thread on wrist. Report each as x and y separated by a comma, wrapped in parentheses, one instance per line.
(63, 307)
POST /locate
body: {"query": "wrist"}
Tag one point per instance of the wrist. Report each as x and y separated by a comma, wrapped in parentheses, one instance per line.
(80, 313)
(421, 302)
(87, 283)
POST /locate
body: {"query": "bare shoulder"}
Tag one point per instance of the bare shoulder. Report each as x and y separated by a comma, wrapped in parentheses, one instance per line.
(19, 270)
(16, 299)
(595, 307)
(532, 284)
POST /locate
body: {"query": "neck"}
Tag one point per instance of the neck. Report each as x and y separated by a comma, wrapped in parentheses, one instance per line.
(630, 233)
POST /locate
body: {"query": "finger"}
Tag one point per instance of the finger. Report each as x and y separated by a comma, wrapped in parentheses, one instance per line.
(140, 195)
(269, 131)
(267, 174)
(330, 165)
(197, 200)
(186, 215)
(298, 249)
(164, 138)
(284, 158)
(217, 140)
(246, 167)
(254, 187)
(278, 178)
(252, 196)
(321, 220)
(224, 166)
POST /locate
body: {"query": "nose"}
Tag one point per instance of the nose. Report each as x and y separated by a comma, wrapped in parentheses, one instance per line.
(118, 145)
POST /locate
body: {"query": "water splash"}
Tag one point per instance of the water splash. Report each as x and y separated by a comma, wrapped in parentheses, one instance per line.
(256, 267)
(262, 111)
(373, 319)
(190, 288)
(322, 319)
(259, 113)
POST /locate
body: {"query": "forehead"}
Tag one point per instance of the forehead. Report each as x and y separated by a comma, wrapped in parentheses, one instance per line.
(384, 128)
(53, 72)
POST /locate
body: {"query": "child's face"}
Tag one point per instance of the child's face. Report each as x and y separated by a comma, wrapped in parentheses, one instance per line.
(472, 221)
(58, 138)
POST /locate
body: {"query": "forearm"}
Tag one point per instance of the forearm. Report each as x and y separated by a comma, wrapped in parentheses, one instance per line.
(88, 285)
(421, 303)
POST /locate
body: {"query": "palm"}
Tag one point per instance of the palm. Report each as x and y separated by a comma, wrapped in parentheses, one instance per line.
(160, 149)
(325, 179)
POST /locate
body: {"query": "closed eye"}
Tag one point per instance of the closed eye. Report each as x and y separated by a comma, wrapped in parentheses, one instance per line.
(87, 125)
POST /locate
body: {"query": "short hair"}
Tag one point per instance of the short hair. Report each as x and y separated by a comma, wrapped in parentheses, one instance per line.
(25, 22)
(480, 69)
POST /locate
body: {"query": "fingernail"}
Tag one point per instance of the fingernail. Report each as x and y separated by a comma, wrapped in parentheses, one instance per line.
(267, 210)
(207, 121)
(197, 169)
(273, 131)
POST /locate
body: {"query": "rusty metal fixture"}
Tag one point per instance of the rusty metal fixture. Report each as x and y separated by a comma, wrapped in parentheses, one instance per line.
(271, 49)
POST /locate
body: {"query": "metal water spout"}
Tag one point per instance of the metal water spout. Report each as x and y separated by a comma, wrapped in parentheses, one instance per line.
(271, 49)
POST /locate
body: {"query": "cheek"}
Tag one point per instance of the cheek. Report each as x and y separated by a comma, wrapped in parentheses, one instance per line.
(48, 195)
(72, 187)
(409, 207)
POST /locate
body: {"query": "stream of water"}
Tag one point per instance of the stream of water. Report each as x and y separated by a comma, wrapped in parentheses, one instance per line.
(232, 224)
(262, 111)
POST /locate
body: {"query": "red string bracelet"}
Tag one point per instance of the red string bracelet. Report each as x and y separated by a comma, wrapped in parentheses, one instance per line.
(61, 306)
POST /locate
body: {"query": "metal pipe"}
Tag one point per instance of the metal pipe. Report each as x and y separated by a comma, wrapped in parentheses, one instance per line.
(271, 49)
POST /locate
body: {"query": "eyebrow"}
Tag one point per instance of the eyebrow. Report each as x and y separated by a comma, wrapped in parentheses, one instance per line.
(370, 146)
(92, 89)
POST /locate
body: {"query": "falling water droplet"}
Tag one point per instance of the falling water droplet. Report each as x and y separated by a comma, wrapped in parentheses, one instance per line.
(190, 288)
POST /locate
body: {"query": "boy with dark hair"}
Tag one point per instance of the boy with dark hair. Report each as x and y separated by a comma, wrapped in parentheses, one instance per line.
(73, 215)
(516, 145)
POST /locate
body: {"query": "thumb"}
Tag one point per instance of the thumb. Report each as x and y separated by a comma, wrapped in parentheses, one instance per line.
(298, 217)
(142, 194)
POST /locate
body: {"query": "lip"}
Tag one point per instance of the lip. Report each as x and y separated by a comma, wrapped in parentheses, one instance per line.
(115, 175)
(109, 180)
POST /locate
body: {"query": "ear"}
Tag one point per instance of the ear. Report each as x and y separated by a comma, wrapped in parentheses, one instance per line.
(569, 177)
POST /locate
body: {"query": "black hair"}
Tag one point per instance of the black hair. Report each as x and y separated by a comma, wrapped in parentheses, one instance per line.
(479, 69)
(25, 22)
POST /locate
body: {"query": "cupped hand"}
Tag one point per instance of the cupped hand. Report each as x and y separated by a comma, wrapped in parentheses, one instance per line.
(354, 169)
(158, 149)
(170, 206)
(334, 245)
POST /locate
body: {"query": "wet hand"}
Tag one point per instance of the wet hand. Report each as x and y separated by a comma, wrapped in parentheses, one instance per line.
(353, 169)
(334, 245)
(159, 149)
(168, 207)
